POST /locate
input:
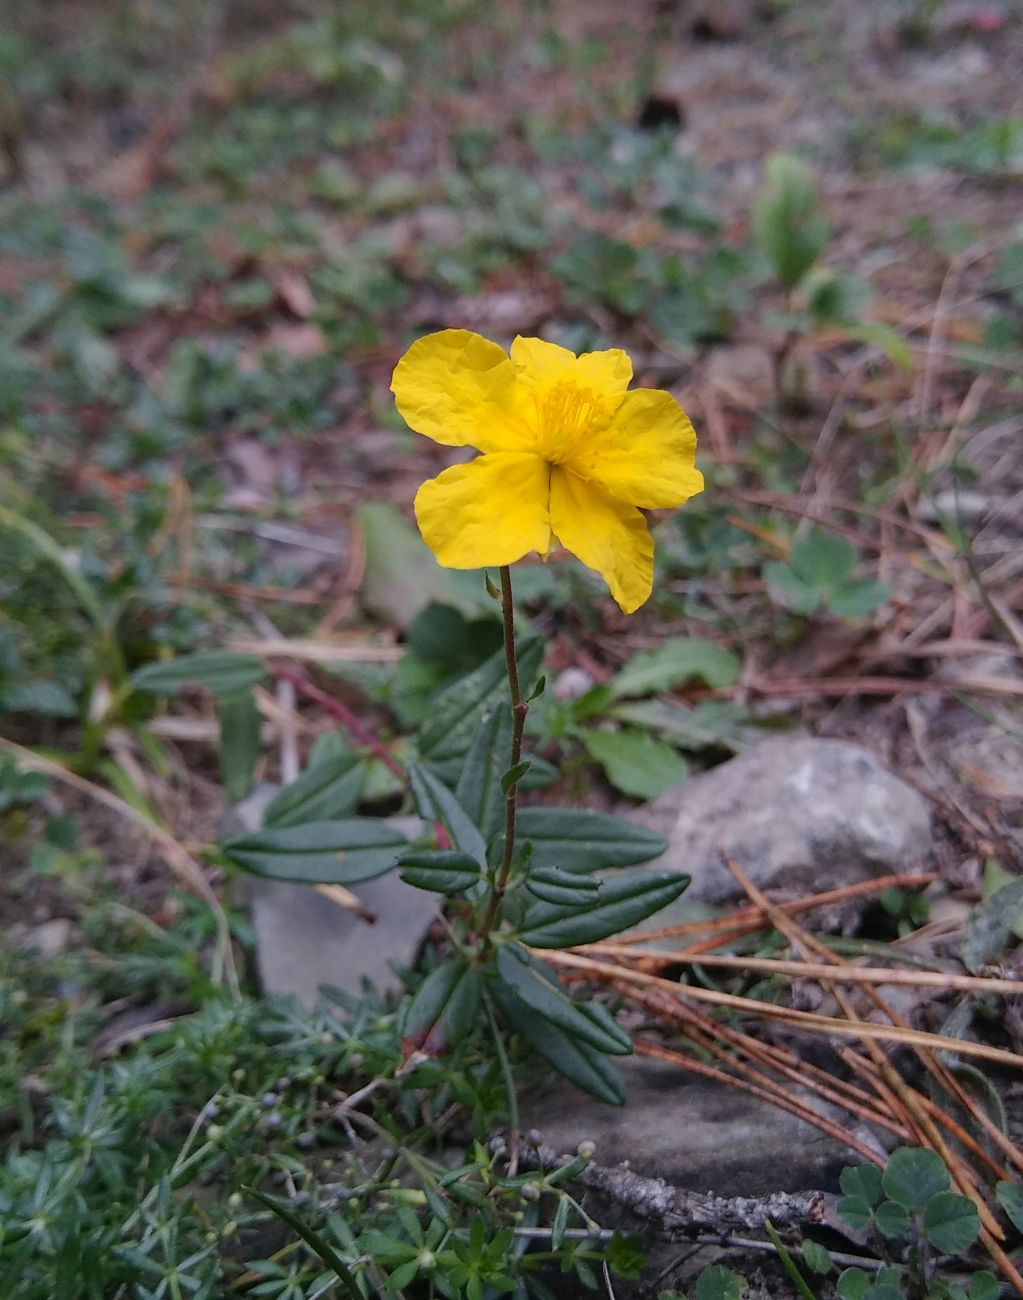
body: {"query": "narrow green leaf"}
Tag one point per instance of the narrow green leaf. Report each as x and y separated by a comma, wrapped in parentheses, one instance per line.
(326, 790)
(437, 803)
(341, 852)
(551, 885)
(513, 776)
(444, 1008)
(621, 903)
(316, 1243)
(455, 712)
(559, 1224)
(526, 979)
(583, 1065)
(538, 689)
(479, 783)
(788, 220)
(442, 871)
(239, 742)
(576, 839)
(220, 671)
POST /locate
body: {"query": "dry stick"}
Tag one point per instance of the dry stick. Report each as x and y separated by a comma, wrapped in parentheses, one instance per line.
(783, 1101)
(808, 1020)
(856, 1100)
(933, 1066)
(755, 916)
(181, 863)
(808, 970)
(343, 714)
(920, 1119)
(705, 1033)
(864, 1067)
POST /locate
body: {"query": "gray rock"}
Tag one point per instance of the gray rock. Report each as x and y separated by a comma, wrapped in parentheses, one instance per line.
(304, 940)
(798, 815)
(695, 1134)
(49, 939)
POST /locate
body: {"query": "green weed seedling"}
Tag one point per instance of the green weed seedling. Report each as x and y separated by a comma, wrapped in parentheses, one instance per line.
(914, 1218)
(821, 575)
(792, 229)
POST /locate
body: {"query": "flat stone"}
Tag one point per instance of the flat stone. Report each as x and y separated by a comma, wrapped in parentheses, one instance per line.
(798, 815)
(697, 1135)
(305, 941)
(49, 939)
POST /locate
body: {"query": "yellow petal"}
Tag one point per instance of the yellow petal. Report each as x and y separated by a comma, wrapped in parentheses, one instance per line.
(489, 512)
(606, 534)
(645, 454)
(461, 390)
(605, 373)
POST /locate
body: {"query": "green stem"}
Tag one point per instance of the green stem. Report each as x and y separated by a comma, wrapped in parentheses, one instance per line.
(506, 1073)
(519, 710)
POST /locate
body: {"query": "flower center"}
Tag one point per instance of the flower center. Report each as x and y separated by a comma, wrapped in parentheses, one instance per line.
(566, 412)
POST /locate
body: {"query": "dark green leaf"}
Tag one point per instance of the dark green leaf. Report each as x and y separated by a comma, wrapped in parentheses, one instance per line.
(479, 783)
(48, 698)
(817, 1258)
(583, 1065)
(862, 1180)
(891, 1218)
(913, 1175)
(789, 590)
(443, 871)
(339, 852)
(220, 671)
(316, 1243)
(853, 1284)
(676, 662)
(823, 560)
(625, 1255)
(239, 742)
(636, 762)
(719, 1283)
(857, 598)
(621, 903)
(1010, 1198)
(855, 1211)
(559, 1224)
(455, 713)
(575, 839)
(444, 1008)
(513, 776)
(437, 803)
(989, 925)
(984, 1286)
(788, 221)
(951, 1222)
(570, 888)
(547, 998)
(325, 791)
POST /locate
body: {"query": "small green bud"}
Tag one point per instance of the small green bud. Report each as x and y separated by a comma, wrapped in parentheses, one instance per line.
(586, 1149)
(530, 1192)
(426, 1260)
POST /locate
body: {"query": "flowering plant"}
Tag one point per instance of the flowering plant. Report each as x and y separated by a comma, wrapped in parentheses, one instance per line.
(567, 453)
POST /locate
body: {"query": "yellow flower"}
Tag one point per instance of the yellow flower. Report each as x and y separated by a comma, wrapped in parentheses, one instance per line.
(567, 452)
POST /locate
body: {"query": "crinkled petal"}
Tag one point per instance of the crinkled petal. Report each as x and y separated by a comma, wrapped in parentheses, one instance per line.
(606, 534)
(489, 512)
(645, 454)
(461, 390)
(606, 373)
